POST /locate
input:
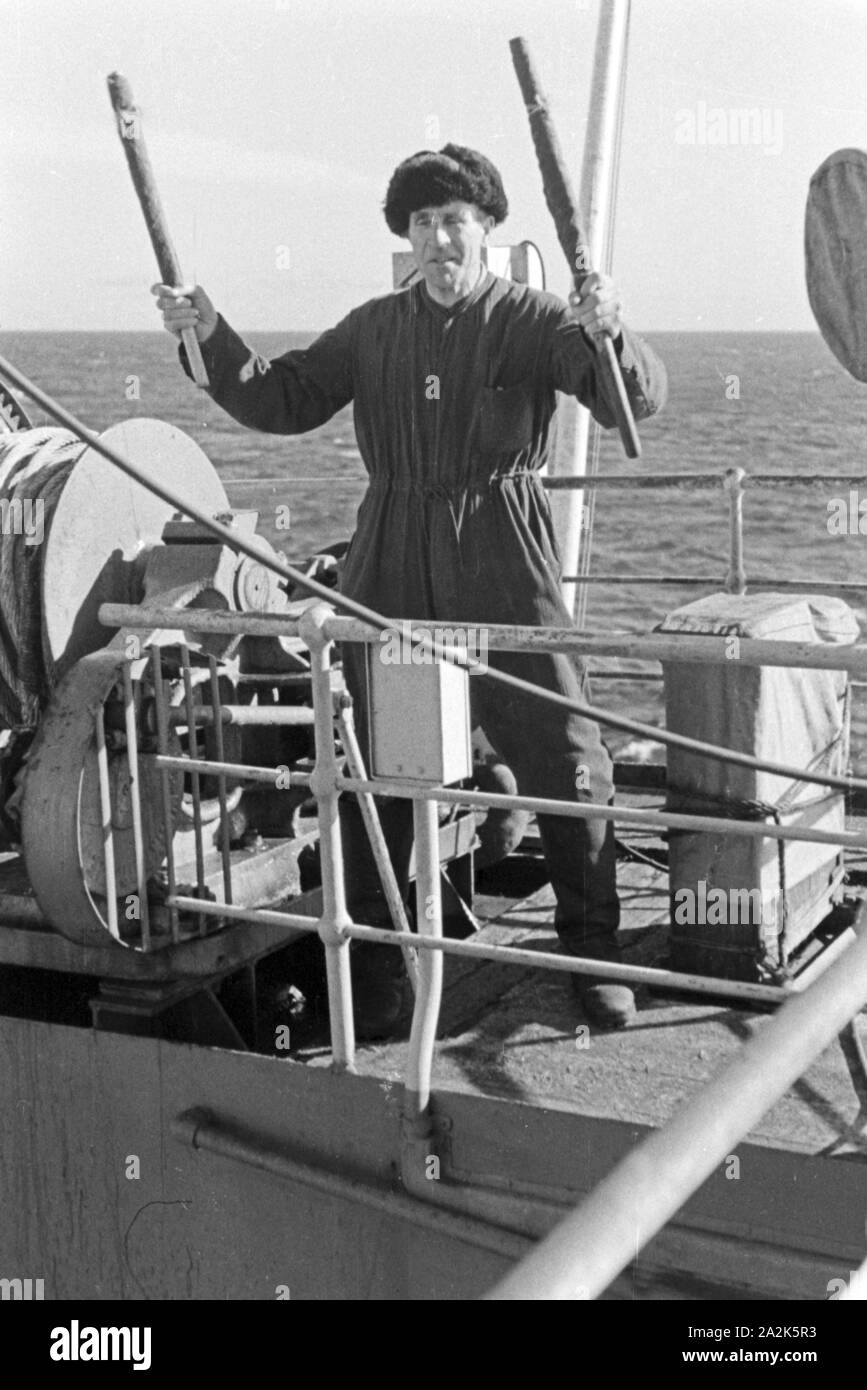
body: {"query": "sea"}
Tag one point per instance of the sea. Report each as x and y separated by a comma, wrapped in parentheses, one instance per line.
(764, 402)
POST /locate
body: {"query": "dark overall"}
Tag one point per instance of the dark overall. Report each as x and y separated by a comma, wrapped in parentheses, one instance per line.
(452, 415)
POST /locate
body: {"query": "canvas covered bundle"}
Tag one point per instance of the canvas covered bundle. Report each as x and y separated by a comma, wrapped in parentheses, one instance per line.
(773, 894)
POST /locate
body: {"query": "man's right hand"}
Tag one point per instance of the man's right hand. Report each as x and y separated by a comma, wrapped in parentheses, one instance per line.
(186, 306)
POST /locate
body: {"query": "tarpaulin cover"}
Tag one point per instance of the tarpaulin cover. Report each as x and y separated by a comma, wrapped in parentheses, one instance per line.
(783, 714)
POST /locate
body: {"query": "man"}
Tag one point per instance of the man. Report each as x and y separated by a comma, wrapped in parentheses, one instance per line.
(453, 382)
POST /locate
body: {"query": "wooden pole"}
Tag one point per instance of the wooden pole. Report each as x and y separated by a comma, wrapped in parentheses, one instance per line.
(131, 137)
(563, 208)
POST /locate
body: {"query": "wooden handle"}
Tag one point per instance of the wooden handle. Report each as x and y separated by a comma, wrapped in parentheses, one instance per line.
(144, 183)
(563, 207)
(619, 400)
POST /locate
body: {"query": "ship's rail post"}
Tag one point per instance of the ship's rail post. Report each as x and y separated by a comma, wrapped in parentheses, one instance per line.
(736, 579)
(425, 1016)
(161, 712)
(195, 782)
(107, 829)
(129, 711)
(323, 784)
(219, 752)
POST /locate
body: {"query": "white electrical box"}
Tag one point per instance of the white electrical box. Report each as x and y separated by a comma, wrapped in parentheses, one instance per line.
(419, 720)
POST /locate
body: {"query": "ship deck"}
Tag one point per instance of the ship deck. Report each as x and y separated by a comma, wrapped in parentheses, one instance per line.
(517, 1033)
(507, 1030)
(531, 1106)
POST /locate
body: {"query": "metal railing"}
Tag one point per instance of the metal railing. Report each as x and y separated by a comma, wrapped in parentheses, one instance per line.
(659, 1177)
(734, 482)
(318, 628)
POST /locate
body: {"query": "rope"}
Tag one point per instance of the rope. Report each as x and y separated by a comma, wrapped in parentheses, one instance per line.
(12, 414)
(34, 467)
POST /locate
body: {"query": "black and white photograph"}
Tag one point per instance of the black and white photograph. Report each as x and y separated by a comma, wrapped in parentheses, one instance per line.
(433, 669)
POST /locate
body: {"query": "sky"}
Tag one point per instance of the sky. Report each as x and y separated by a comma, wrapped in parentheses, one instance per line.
(274, 125)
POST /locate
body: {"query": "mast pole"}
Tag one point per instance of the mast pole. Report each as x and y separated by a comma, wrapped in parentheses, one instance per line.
(595, 200)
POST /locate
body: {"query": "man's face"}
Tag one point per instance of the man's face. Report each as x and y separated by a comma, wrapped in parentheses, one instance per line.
(447, 244)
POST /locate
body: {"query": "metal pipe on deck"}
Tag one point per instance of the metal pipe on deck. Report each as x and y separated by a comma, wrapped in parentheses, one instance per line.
(736, 579)
(290, 716)
(743, 990)
(595, 198)
(225, 832)
(200, 1130)
(760, 581)
(637, 816)
(161, 708)
(674, 646)
(135, 805)
(626, 815)
(323, 784)
(606, 1232)
(195, 781)
(239, 772)
(562, 482)
(107, 829)
(429, 916)
(852, 657)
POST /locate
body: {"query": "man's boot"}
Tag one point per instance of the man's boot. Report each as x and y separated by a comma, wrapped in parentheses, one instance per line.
(607, 1005)
(582, 858)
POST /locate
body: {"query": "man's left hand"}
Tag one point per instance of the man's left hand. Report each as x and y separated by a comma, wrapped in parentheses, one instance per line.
(598, 308)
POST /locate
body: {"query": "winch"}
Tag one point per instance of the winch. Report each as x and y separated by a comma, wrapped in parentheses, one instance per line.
(82, 706)
(109, 807)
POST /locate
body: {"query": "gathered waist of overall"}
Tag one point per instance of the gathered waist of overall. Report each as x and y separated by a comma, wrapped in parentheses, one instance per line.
(450, 490)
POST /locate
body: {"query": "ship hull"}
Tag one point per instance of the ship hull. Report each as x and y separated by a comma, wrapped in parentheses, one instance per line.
(106, 1198)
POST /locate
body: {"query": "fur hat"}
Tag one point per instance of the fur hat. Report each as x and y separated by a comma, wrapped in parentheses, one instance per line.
(431, 178)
